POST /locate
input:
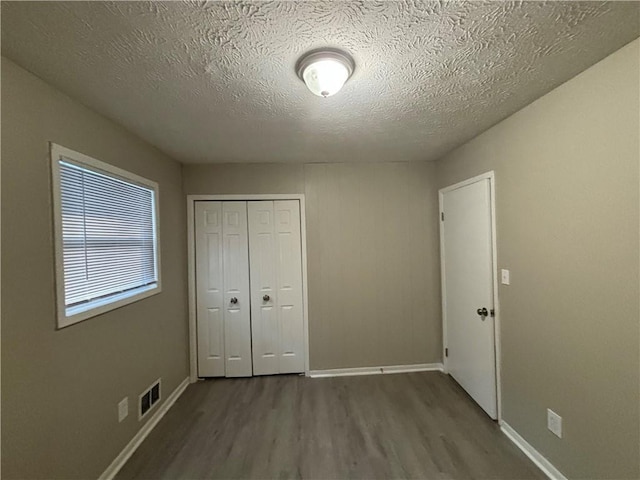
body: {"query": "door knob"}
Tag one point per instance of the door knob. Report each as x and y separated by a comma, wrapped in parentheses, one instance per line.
(266, 298)
(234, 300)
(483, 312)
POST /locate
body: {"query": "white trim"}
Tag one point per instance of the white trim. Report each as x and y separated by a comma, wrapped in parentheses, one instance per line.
(247, 197)
(63, 319)
(58, 151)
(536, 457)
(96, 307)
(115, 466)
(496, 302)
(443, 283)
(191, 259)
(494, 253)
(469, 181)
(191, 290)
(305, 294)
(350, 372)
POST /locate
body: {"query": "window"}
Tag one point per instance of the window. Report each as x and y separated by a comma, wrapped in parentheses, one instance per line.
(106, 234)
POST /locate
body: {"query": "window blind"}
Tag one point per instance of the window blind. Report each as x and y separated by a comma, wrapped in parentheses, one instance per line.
(109, 236)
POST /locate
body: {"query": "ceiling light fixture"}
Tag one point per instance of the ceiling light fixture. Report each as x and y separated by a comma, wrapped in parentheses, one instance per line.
(325, 71)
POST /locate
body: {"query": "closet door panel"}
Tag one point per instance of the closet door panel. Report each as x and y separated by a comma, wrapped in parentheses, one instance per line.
(209, 289)
(288, 257)
(237, 319)
(264, 317)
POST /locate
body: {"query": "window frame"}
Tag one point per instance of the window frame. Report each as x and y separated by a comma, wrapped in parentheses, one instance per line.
(98, 307)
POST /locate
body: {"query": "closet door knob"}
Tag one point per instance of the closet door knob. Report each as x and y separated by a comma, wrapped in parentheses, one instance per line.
(234, 300)
(266, 298)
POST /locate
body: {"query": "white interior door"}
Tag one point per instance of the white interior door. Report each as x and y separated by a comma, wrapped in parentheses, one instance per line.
(265, 329)
(468, 286)
(235, 271)
(276, 286)
(289, 287)
(209, 289)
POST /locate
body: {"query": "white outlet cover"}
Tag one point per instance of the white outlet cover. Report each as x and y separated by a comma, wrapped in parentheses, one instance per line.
(554, 423)
(505, 277)
(123, 409)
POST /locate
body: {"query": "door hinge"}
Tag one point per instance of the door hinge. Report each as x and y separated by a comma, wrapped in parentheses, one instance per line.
(446, 352)
(442, 216)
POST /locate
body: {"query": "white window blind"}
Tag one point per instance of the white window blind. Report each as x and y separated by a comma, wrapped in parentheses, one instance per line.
(109, 239)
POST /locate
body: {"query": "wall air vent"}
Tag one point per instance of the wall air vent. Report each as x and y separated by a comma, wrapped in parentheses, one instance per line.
(148, 399)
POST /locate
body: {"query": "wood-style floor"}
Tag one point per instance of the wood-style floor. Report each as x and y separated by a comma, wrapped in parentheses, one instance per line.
(415, 425)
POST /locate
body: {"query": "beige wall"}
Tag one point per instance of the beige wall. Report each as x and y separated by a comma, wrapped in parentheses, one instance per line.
(567, 218)
(243, 178)
(60, 389)
(372, 246)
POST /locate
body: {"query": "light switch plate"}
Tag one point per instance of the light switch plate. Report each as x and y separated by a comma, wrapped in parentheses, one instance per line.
(505, 277)
(123, 409)
(554, 423)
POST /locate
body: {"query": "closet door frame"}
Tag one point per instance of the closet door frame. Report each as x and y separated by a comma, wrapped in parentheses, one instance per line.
(191, 256)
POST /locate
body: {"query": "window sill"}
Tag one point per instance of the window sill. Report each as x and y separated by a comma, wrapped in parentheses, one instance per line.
(73, 315)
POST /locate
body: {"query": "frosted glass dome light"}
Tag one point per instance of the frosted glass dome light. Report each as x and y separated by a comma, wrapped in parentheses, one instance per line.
(325, 71)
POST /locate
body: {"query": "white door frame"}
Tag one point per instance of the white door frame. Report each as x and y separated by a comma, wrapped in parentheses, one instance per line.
(191, 259)
(494, 253)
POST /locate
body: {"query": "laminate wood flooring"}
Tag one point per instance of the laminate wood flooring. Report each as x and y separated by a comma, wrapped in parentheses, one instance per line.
(414, 425)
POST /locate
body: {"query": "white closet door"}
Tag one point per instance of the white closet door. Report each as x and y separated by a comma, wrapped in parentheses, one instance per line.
(289, 287)
(209, 289)
(265, 329)
(237, 312)
(276, 287)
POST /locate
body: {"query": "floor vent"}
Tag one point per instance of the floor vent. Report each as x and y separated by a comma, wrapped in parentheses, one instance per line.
(148, 399)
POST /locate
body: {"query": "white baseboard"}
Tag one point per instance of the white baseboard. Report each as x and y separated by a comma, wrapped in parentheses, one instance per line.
(347, 372)
(135, 442)
(536, 457)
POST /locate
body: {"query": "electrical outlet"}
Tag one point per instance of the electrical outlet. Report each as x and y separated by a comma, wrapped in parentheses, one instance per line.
(554, 423)
(505, 277)
(123, 409)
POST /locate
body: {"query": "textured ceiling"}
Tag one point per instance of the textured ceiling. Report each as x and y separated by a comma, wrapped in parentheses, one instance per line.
(215, 81)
